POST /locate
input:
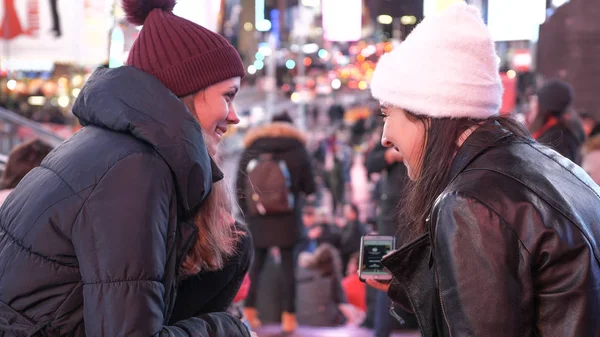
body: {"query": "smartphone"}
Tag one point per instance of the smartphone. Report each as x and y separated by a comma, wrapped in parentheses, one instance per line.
(372, 249)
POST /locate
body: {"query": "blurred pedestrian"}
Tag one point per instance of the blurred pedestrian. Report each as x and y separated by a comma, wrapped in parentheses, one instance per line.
(21, 160)
(128, 229)
(591, 157)
(335, 161)
(588, 121)
(392, 182)
(349, 232)
(500, 230)
(274, 173)
(552, 121)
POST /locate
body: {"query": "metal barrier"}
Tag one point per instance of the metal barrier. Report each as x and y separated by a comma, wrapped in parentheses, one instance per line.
(15, 129)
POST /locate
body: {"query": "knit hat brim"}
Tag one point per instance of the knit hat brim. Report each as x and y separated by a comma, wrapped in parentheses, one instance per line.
(201, 71)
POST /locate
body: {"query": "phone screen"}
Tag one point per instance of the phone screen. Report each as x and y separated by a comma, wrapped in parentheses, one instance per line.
(373, 252)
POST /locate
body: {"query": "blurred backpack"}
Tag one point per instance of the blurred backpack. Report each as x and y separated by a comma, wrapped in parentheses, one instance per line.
(268, 186)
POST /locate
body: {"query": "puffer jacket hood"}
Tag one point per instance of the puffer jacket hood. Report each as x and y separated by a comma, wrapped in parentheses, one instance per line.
(279, 130)
(128, 100)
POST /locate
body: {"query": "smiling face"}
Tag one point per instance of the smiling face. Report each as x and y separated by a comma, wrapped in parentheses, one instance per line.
(213, 108)
(406, 134)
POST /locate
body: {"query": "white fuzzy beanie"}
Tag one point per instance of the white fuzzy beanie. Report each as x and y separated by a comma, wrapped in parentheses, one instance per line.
(447, 67)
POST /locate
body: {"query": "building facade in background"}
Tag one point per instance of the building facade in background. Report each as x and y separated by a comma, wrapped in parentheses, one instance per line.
(568, 49)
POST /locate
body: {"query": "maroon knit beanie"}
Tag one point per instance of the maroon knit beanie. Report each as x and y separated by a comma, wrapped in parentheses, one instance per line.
(184, 56)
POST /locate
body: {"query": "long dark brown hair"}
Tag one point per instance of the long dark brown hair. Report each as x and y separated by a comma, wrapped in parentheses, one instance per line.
(218, 236)
(439, 149)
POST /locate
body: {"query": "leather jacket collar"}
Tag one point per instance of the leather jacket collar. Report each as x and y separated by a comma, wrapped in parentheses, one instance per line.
(477, 143)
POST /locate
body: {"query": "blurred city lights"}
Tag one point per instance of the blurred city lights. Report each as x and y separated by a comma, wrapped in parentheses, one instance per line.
(63, 101)
(368, 51)
(248, 26)
(336, 84)
(295, 97)
(362, 85)
(63, 81)
(511, 74)
(259, 56)
(263, 26)
(36, 100)
(75, 92)
(251, 69)
(265, 50)
(558, 3)
(408, 20)
(290, 64)
(259, 64)
(522, 60)
(323, 53)
(341, 20)
(311, 3)
(310, 48)
(77, 80)
(384, 19)
(11, 84)
(307, 61)
(342, 59)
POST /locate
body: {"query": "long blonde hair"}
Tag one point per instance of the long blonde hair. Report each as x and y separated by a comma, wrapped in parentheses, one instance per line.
(217, 233)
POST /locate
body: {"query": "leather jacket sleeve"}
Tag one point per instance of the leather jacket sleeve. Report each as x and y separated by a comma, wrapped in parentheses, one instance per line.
(398, 295)
(475, 254)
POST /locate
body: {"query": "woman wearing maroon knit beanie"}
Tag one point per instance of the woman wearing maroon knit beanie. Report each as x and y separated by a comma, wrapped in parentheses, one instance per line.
(126, 228)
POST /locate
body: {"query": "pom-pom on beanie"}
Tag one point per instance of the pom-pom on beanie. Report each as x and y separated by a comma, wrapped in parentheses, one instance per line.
(184, 56)
(447, 67)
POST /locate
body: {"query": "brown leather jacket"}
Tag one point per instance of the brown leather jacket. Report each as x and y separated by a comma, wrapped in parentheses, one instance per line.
(512, 247)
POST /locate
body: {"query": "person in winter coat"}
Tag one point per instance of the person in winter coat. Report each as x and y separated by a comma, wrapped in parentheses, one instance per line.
(552, 123)
(125, 229)
(335, 159)
(285, 142)
(591, 158)
(502, 232)
(22, 159)
(349, 232)
(393, 182)
(321, 296)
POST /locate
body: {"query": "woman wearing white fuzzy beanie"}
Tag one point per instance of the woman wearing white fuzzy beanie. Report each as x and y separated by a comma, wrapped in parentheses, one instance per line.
(503, 234)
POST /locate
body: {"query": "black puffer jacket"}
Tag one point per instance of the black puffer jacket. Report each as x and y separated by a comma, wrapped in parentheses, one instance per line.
(92, 241)
(287, 143)
(512, 248)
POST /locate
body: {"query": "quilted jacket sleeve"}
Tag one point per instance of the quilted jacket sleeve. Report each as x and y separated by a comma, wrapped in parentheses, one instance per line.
(120, 240)
(475, 254)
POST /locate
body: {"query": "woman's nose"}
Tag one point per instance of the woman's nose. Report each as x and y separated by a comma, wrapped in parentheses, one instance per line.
(385, 142)
(233, 117)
